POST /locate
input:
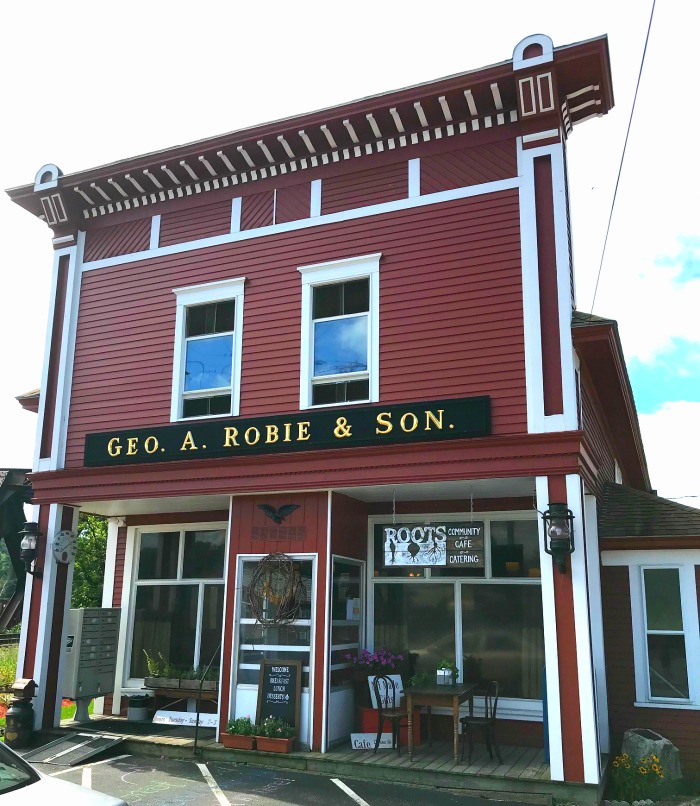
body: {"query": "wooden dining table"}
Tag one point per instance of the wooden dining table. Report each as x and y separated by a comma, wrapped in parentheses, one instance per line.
(438, 696)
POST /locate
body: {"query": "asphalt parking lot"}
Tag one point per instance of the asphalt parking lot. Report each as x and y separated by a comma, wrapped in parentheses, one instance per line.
(176, 782)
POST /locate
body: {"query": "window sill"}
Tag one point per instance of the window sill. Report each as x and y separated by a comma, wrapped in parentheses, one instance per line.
(337, 405)
(677, 706)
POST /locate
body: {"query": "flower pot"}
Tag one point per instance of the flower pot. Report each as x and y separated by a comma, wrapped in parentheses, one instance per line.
(361, 686)
(235, 741)
(443, 677)
(274, 745)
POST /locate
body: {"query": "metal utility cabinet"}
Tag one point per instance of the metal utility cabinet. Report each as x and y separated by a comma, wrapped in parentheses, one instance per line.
(91, 656)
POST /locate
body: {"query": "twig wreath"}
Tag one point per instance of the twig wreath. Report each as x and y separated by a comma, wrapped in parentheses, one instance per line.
(276, 581)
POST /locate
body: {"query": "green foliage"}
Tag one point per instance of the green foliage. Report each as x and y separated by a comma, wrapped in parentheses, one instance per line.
(635, 779)
(8, 664)
(275, 728)
(154, 665)
(8, 579)
(89, 568)
(450, 665)
(243, 726)
(422, 679)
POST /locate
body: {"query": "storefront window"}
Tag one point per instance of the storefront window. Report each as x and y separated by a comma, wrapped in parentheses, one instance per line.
(416, 618)
(515, 550)
(177, 614)
(502, 637)
(488, 617)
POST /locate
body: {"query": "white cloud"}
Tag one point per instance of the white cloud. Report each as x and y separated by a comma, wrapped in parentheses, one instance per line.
(672, 443)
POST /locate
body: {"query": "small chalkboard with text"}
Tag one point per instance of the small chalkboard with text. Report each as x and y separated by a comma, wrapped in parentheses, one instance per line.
(279, 691)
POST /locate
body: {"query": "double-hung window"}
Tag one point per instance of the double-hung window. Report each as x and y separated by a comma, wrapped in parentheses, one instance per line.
(665, 628)
(208, 339)
(340, 332)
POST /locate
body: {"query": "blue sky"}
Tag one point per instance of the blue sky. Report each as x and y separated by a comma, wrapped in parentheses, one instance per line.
(136, 82)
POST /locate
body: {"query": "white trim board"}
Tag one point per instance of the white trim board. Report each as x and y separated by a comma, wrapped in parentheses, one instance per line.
(305, 223)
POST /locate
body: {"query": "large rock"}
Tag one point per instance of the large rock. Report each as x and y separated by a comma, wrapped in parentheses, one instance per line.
(641, 743)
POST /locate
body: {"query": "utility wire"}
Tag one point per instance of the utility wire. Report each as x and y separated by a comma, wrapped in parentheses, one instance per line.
(622, 158)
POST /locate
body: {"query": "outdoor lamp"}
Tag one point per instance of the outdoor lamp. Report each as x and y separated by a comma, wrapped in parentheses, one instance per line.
(28, 547)
(558, 533)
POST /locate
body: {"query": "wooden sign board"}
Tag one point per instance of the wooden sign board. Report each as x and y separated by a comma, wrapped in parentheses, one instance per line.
(279, 691)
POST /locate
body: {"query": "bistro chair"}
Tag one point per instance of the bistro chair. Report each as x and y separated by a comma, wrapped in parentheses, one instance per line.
(388, 696)
(486, 723)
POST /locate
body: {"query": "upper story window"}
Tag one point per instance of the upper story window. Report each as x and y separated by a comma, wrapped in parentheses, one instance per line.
(208, 339)
(340, 332)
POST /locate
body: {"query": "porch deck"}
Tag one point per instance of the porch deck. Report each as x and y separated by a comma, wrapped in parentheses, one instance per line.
(524, 771)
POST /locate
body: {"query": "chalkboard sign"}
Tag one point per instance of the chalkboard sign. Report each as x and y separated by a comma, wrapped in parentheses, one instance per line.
(279, 691)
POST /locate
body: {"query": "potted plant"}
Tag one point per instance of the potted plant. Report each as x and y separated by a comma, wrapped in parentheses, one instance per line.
(366, 663)
(169, 675)
(447, 673)
(274, 736)
(189, 678)
(240, 734)
(155, 667)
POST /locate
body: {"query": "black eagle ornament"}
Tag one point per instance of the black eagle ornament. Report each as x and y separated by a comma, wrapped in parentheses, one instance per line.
(278, 515)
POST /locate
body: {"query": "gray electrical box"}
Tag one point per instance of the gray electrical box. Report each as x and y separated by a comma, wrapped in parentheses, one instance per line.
(90, 664)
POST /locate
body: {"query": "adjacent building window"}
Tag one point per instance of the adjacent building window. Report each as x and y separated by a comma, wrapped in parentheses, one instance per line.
(178, 597)
(340, 332)
(665, 644)
(665, 627)
(208, 339)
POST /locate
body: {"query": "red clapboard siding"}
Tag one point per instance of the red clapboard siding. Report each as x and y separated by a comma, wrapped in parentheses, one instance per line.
(349, 527)
(597, 433)
(293, 203)
(193, 223)
(442, 269)
(680, 726)
(360, 189)
(469, 166)
(119, 567)
(257, 210)
(122, 239)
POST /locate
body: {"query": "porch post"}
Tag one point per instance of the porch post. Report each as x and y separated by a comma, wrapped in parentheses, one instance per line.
(573, 736)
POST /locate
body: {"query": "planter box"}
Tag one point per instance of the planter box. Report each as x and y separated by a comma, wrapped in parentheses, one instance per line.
(236, 742)
(168, 682)
(274, 745)
(152, 682)
(368, 722)
(189, 685)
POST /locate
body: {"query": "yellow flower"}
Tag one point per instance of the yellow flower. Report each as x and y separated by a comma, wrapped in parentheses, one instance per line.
(616, 763)
(625, 756)
(643, 770)
(655, 758)
(655, 767)
(627, 766)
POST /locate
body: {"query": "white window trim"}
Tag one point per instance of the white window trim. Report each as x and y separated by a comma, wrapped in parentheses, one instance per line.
(129, 592)
(339, 271)
(187, 296)
(685, 561)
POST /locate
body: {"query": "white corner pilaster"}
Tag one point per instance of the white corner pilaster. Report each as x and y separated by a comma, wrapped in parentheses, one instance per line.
(414, 178)
(584, 657)
(551, 651)
(316, 190)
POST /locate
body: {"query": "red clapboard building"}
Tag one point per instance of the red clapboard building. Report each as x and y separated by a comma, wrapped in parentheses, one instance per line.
(351, 338)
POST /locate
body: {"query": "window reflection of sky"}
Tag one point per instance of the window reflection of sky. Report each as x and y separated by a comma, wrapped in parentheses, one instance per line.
(208, 363)
(340, 346)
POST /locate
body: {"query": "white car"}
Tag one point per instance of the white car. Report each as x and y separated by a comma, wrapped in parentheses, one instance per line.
(21, 784)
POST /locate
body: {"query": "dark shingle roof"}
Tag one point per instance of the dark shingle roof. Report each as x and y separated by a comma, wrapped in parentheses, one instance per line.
(581, 319)
(626, 512)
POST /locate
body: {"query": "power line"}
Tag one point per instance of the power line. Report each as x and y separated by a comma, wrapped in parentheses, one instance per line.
(622, 158)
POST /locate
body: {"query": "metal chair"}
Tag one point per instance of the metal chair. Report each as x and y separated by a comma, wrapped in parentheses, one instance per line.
(387, 696)
(486, 723)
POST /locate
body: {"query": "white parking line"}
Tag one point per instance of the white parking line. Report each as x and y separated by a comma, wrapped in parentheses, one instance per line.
(349, 792)
(86, 779)
(83, 766)
(216, 790)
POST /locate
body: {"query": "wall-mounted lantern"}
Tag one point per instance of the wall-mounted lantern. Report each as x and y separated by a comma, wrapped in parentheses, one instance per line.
(28, 552)
(558, 534)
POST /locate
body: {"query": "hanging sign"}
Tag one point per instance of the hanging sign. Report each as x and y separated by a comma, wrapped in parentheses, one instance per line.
(443, 545)
(318, 429)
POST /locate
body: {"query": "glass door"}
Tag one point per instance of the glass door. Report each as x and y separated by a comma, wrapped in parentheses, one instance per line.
(346, 640)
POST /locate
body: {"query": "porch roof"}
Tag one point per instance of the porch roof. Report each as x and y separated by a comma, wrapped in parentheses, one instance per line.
(626, 512)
